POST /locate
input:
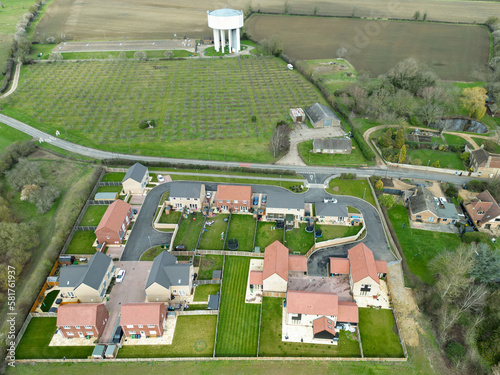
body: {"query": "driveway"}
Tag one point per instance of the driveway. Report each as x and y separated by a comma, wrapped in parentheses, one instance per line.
(443, 228)
(130, 290)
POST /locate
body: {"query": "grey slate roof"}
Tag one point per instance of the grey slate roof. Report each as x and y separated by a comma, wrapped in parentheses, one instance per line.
(480, 155)
(333, 144)
(448, 211)
(318, 112)
(185, 189)
(422, 201)
(285, 200)
(331, 209)
(213, 301)
(166, 271)
(135, 172)
(90, 274)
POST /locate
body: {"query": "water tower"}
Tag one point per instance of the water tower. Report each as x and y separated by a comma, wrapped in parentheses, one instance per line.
(222, 20)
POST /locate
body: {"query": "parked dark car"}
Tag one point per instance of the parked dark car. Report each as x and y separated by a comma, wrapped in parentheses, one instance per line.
(117, 337)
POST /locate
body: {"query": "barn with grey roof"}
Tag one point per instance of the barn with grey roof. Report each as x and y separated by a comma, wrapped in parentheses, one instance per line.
(322, 116)
(332, 145)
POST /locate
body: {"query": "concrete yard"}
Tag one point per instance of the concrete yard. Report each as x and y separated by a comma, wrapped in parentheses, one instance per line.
(338, 285)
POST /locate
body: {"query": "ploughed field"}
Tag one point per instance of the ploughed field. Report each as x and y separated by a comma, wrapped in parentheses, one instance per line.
(453, 51)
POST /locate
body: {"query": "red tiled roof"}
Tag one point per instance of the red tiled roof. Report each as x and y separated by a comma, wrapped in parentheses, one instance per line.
(297, 263)
(312, 303)
(256, 278)
(381, 266)
(114, 216)
(276, 260)
(141, 313)
(348, 312)
(487, 204)
(234, 192)
(78, 314)
(362, 263)
(323, 324)
(495, 162)
(339, 265)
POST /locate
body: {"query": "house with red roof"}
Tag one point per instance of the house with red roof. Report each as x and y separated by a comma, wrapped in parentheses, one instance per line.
(234, 198)
(81, 320)
(484, 211)
(145, 319)
(115, 222)
(365, 271)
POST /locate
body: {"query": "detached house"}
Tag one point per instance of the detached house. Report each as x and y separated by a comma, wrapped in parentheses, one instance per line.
(145, 319)
(81, 320)
(187, 194)
(484, 162)
(484, 211)
(424, 207)
(234, 198)
(89, 282)
(332, 213)
(322, 116)
(332, 146)
(136, 179)
(168, 279)
(114, 224)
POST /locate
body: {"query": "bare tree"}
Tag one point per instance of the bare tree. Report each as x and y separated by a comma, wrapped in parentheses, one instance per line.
(280, 140)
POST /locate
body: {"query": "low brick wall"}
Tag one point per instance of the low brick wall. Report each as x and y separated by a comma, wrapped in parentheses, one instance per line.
(335, 241)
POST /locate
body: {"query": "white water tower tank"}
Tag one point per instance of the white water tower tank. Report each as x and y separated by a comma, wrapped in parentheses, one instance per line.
(222, 20)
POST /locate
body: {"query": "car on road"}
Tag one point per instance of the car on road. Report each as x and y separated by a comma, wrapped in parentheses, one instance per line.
(332, 200)
(160, 178)
(120, 276)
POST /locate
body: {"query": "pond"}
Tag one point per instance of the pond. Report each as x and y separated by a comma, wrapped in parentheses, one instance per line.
(460, 125)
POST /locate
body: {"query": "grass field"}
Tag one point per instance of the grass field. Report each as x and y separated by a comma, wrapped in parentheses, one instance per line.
(242, 227)
(202, 292)
(116, 54)
(93, 215)
(419, 246)
(202, 116)
(334, 73)
(299, 240)
(272, 346)
(336, 231)
(82, 242)
(36, 339)
(189, 231)
(356, 158)
(208, 264)
(49, 300)
(378, 334)
(211, 239)
(447, 159)
(266, 236)
(356, 188)
(188, 342)
(238, 321)
(449, 49)
(10, 135)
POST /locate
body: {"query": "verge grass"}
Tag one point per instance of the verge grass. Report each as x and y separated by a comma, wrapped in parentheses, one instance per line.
(355, 188)
(331, 232)
(378, 334)
(150, 255)
(242, 227)
(10, 135)
(355, 158)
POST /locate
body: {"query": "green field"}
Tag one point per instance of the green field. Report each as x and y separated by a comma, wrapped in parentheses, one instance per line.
(116, 54)
(378, 335)
(189, 230)
(419, 246)
(266, 236)
(299, 240)
(242, 227)
(238, 321)
(198, 115)
(93, 215)
(10, 135)
(188, 342)
(82, 242)
(208, 264)
(447, 159)
(202, 292)
(356, 188)
(355, 158)
(211, 238)
(271, 334)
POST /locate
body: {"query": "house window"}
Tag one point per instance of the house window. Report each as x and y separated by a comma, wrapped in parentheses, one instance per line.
(220, 200)
(67, 327)
(244, 202)
(107, 237)
(182, 292)
(445, 219)
(365, 289)
(419, 216)
(228, 201)
(90, 333)
(151, 325)
(193, 206)
(296, 318)
(188, 199)
(152, 332)
(70, 333)
(140, 325)
(131, 332)
(431, 219)
(88, 327)
(130, 326)
(77, 327)
(235, 201)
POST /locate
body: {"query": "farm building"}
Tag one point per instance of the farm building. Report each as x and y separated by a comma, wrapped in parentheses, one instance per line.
(484, 211)
(81, 320)
(332, 146)
(145, 319)
(297, 114)
(187, 194)
(113, 225)
(484, 162)
(233, 198)
(493, 109)
(222, 21)
(136, 179)
(322, 116)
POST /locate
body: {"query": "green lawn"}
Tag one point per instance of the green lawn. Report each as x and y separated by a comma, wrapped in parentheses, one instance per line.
(82, 242)
(452, 139)
(299, 240)
(266, 236)
(150, 255)
(36, 339)
(109, 189)
(93, 215)
(113, 177)
(271, 335)
(171, 218)
(355, 158)
(188, 341)
(189, 230)
(49, 300)
(238, 321)
(480, 141)
(10, 135)
(337, 231)
(211, 238)
(419, 246)
(209, 263)
(202, 292)
(447, 159)
(355, 188)
(242, 227)
(378, 334)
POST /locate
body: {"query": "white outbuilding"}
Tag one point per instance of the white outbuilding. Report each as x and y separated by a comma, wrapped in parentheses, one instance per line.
(222, 21)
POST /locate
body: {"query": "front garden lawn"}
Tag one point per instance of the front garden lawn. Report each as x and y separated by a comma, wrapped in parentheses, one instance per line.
(242, 227)
(447, 159)
(271, 335)
(378, 334)
(336, 231)
(299, 240)
(194, 337)
(419, 246)
(212, 238)
(238, 329)
(189, 230)
(355, 158)
(113, 177)
(202, 292)
(208, 264)
(171, 218)
(49, 300)
(82, 242)
(266, 236)
(36, 339)
(354, 188)
(93, 215)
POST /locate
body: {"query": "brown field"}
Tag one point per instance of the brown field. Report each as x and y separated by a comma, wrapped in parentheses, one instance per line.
(451, 50)
(160, 19)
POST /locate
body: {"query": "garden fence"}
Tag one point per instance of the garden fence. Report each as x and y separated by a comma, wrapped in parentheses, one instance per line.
(110, 183)
(207, 282)
(44, 315)
(197, 312)
(220, 299)
(23, 329)
(85, 227)
(100, 202)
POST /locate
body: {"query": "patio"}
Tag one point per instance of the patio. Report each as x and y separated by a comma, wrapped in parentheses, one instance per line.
(254, 296)
(166, 339)
(381, 300)
(338, 285)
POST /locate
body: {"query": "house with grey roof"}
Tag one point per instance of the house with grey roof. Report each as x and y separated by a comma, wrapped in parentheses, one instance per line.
(136, 179)
(426, 208)
(332, 146)
(169, 279)
(187, 194)
(331, 213)
(284, 205)
(482, 161)
(322, 116)
(87, 282)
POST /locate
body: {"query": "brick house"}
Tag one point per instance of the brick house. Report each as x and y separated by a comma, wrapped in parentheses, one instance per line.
(189, 195)
(424, 207)
(136, 179)
(484, 162)
(484, 211)
(81, 320)
(145, 319)
(233, 198)
(115, 222)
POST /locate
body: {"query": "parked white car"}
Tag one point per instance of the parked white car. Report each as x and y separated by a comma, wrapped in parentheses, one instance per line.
(160, 178)
(120, 276)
